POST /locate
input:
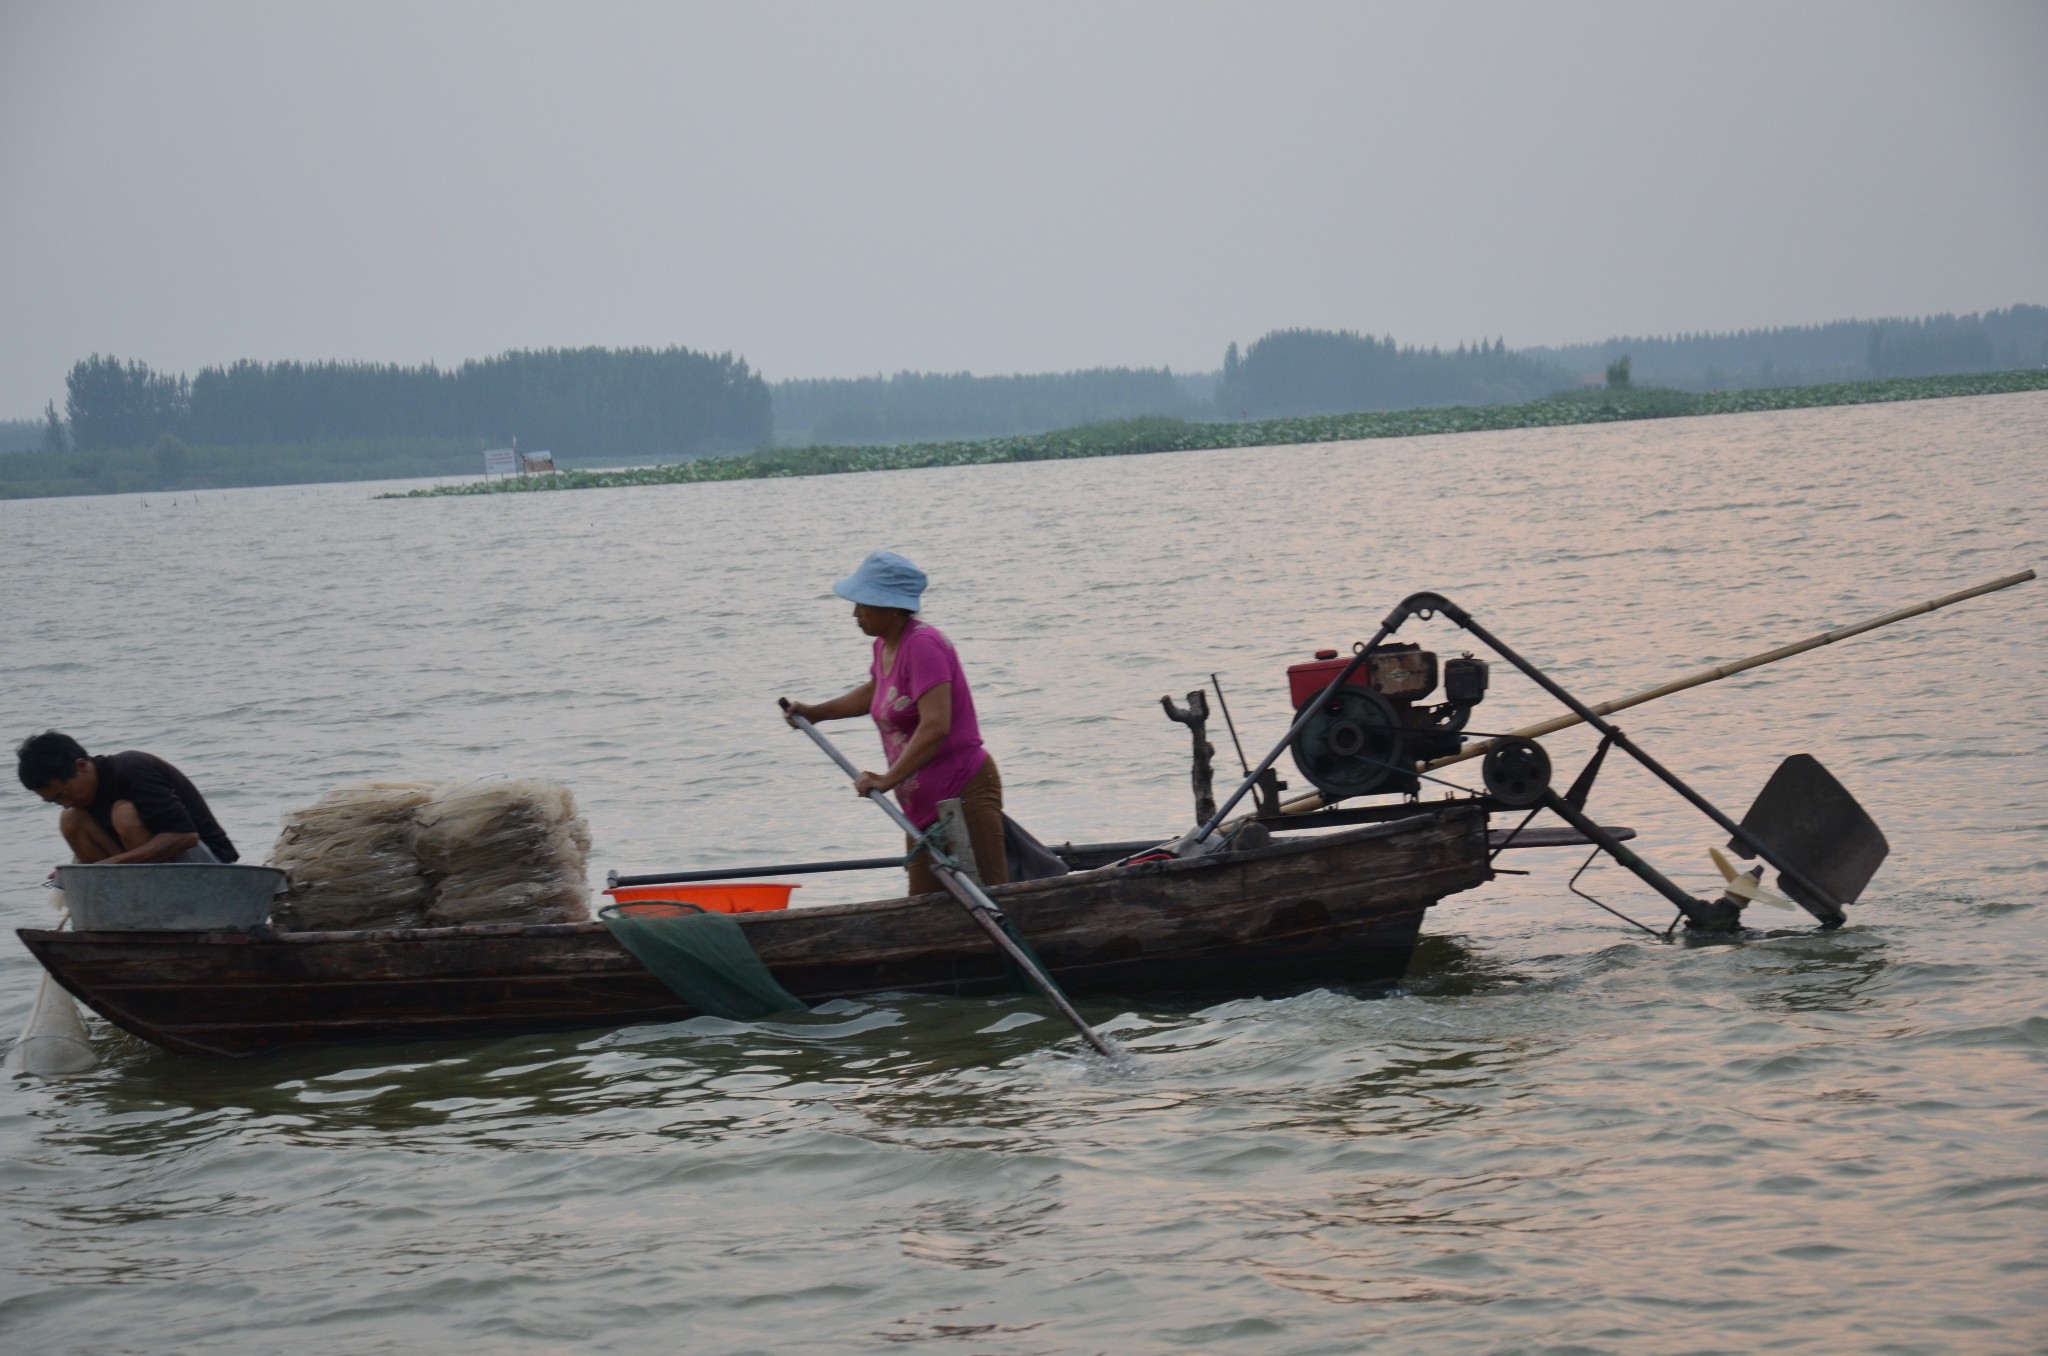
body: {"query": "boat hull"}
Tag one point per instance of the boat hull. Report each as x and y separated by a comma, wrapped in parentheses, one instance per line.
(1345, 908)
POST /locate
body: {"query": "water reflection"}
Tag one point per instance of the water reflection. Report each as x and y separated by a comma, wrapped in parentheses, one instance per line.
(899, 1063)
(933, 1073)
(1452, 966)
(904, 1065)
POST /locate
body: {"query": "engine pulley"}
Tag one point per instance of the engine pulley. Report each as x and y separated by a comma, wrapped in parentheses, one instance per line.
(1352, 745)
(1516, 772)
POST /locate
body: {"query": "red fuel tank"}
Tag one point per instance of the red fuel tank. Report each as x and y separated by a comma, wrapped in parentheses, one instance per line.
(1405, 673)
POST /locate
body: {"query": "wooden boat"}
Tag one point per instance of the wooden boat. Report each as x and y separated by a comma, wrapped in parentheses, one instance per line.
(1343, 907)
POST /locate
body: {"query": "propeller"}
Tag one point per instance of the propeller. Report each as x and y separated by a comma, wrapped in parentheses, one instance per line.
(1748, 885)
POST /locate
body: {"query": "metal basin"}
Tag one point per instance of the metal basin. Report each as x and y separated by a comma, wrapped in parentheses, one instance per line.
(168, 896)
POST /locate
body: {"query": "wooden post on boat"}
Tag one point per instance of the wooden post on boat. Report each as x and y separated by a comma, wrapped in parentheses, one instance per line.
(1196, 717)
(953, 827)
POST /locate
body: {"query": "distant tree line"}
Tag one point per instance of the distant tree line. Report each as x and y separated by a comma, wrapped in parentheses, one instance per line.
(20, 435)
(1287, 372)
(925, 406)
(1922, 348)
(577, 402)
(1845, 350)
(47, 434)
(1305, 372)
(1291, 372)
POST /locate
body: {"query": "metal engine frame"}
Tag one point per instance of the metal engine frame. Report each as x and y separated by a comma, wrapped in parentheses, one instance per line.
(1815, 898)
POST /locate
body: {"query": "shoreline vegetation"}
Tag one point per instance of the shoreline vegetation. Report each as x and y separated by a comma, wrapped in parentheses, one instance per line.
(173, 468)
(1141, 436)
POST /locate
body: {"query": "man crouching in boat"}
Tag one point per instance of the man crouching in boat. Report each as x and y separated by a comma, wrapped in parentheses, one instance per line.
(121, 807)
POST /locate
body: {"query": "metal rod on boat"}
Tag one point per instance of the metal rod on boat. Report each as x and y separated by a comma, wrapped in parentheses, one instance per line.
(1611, 845)
(616, 880)
(1070, 853)
(1720, 671)
(1242, 761)
(979, 906)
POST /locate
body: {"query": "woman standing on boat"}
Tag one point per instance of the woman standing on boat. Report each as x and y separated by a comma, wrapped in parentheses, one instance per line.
(918, 697)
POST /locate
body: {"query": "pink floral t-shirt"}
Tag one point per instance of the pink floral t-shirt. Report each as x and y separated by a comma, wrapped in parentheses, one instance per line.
(924, 659)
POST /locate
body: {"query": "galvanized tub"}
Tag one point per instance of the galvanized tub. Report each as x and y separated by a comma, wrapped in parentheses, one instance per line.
(168, 896)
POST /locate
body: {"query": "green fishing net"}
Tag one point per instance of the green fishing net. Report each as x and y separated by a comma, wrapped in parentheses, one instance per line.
(1019, 981)
(705, 959)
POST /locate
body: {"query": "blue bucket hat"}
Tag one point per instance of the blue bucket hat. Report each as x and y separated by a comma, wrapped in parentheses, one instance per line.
(884, 579)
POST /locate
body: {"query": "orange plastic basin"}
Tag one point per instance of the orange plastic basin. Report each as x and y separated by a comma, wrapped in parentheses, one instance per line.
(715, 897)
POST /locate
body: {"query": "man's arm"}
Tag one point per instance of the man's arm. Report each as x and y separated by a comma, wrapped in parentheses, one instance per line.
(141, 843)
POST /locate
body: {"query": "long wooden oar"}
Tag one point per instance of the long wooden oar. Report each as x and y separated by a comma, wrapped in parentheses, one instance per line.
(1304, 804)
(979, 906)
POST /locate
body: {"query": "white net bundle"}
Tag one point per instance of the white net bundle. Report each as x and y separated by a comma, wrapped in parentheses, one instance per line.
(350, 862)
(504, 851)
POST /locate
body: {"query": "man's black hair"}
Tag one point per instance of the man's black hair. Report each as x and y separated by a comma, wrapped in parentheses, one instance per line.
(47, 757)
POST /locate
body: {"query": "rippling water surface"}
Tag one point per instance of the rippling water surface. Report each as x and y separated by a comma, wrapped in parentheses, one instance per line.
(1558, 1137)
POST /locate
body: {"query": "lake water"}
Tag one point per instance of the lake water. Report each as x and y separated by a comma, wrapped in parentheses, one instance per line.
(1559, 1136)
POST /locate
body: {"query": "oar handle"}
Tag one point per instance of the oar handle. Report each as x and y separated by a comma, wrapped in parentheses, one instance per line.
(979, 906)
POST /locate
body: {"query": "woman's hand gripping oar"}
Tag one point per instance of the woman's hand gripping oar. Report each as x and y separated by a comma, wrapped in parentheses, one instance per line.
(979, 906)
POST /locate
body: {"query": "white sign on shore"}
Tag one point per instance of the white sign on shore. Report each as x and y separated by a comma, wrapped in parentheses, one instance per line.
(500, 461)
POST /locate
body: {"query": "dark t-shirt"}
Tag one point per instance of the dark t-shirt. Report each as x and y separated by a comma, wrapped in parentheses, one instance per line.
(164, 797)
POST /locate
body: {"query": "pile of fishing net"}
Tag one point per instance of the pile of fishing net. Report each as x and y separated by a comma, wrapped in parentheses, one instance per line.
(348, 859)
(504, 852)
(430, 854)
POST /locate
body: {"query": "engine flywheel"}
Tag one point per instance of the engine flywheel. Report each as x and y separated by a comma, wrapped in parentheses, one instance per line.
(1351, 745)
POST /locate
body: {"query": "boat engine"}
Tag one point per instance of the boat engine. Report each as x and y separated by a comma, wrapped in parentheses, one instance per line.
(1368, 738)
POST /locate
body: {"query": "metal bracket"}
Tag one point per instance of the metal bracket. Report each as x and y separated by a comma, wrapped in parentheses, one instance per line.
(1582, 785)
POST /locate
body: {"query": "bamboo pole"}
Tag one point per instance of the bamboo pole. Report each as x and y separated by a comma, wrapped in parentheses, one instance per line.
(1304, 804)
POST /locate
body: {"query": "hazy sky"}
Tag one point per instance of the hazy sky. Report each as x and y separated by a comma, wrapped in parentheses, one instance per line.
(833, 190)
